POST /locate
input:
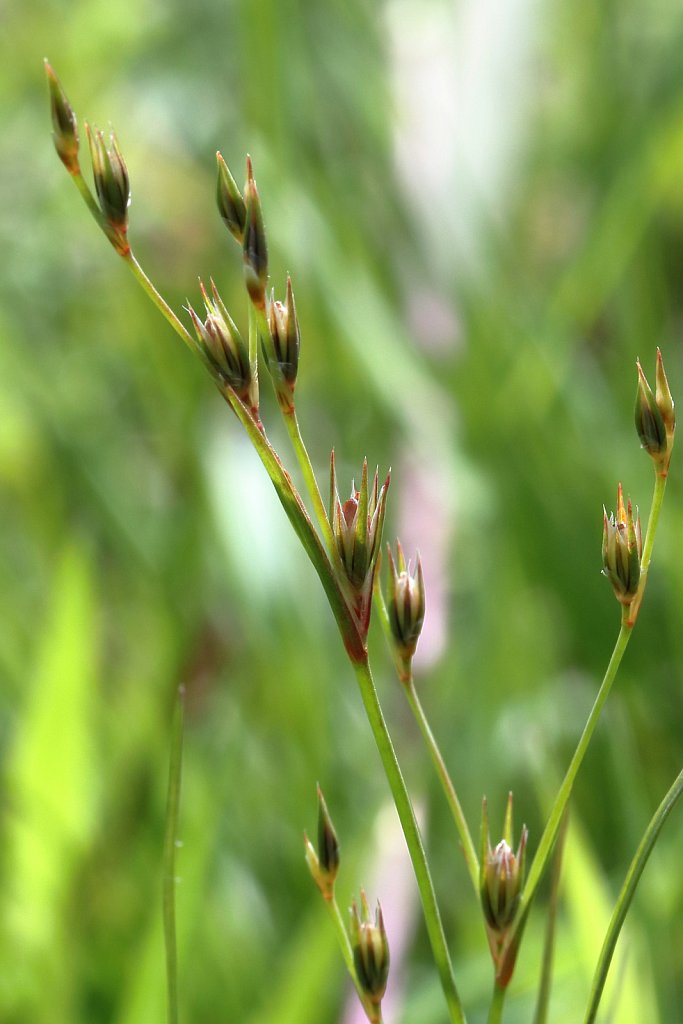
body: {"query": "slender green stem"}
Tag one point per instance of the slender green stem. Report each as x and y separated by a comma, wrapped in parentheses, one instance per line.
(343, 937)
(543, 999)
(554, 821)
(169, 872)
(89, 199)
(496, 1008)
(406, 678)
(629, 615)
(648, 544)
(413, 839)
(627, 893)
(303, 458)
(253, 352)
(468, 847)
(159, 302)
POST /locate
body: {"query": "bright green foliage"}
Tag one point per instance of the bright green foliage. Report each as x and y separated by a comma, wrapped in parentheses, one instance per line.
(487, 357)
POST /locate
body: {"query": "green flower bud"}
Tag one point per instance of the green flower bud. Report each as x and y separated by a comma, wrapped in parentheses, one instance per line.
(231, 205)
(65, 134)
(655, 418)
(370, 950)
(357, 526)
(111, 181)
(405, 603)
(501, 874)
(222, 343)
(254, 246)
(622, 549)
(281, 349)
(323, 863)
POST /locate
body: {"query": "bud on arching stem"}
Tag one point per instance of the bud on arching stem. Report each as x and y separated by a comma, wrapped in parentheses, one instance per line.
(622, 549)
(357, 527)
(231, 205)
(254, 246)
(64, 123)
(111, 185)
(323, 863)
(655, 418)
(281, 348)
(500, 885)
(223, 345)
(405, 604)
(370, 950)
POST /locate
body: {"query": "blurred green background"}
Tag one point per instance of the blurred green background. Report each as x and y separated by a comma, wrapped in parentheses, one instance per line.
(481, 208)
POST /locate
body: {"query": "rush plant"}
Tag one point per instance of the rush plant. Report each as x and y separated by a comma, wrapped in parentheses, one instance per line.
(343, 537)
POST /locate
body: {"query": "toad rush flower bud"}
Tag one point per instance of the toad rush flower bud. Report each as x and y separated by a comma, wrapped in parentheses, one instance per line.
(282, 347)
(370, 950)
(222, 343)
(405, 602)
(111, 183)
(323, 863)
(654, 415)
(500, 884)
(254, 246)
(231, 205)
(65, 134)
(357, 526)
(622, 549)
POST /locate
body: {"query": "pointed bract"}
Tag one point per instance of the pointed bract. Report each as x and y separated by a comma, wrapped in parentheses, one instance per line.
(64, 123)
(230, 200)
(254, 246)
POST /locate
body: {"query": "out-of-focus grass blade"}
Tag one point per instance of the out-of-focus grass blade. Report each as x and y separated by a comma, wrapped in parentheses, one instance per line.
(629, 997)
(51, 778)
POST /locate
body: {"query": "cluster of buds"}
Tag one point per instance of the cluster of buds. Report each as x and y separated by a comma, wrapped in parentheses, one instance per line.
(622, 549)
(281, 347)
(655, 417)
(278, 323)
(405, 604)
(370, 953)
(357, 530)
(501, 877)
(223, 346)
(110, 174)
(323, 863)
